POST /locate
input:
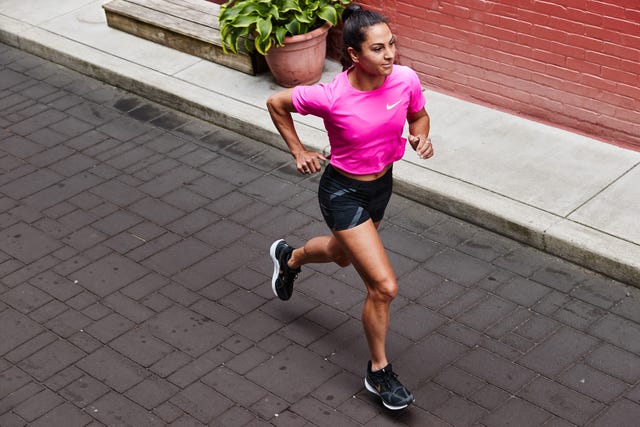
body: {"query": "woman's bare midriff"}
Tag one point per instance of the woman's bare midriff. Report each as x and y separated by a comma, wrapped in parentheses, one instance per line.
(367, 177)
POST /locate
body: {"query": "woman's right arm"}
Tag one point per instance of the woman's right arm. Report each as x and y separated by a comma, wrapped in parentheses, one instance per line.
(280, 106)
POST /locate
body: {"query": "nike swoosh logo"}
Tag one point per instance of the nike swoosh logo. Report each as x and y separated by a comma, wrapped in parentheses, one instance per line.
(389, 107)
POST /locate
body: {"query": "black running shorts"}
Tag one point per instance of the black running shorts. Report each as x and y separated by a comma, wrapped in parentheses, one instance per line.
(346, 203)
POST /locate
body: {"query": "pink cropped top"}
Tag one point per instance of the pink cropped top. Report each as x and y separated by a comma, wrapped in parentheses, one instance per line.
(364, 127)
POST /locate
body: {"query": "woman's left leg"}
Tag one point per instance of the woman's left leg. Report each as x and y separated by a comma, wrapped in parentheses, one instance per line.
(364, 247)
(366, 251)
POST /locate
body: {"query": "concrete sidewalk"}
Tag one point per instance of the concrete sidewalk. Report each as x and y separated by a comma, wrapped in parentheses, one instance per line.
(564, 193)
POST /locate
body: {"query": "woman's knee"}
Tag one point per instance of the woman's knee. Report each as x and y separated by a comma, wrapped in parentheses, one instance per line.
(384, 291)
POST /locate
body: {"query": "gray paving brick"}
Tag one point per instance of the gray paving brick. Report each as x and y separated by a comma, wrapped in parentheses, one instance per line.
(200, 367)
(178, 257)
(12, 379)
(36, 122)
(38, 405)
(25, 298)
(308, 369)
(170, 181)
(459, 267)
(623, 413)
(151, 392)
(11, 420)
(559, 274)
(593, 383)
(187, 330)
(236, 416)
(117, 193)
(558, 352)
(109, 327)
(409, 244)
(488, 246)
(618, 331)
(19, 395)
(109, 274)
(450, 231)
(202, 402)
(85, 342)
(416, 322)
(168, 412)
(487, 313)
(64, 414)
(495, 370)
(179, 294)
(48, 311)
(112, 369)
(122, 129)
(617, 362)
(319, 413)
(459, 412)
(84, 391)
(524, 292)
(62, 191)
(17, 329)
(234, 386)
(68, 323)
(140, 346)
(458, 381)
(517, 412)
(537, 328)
(112, 408)
(490, 397)
(561, 400)
(579, 315)
(524, 261)
(26, 243)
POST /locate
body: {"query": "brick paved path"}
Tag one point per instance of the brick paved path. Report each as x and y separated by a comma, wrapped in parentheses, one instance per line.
(135, 288)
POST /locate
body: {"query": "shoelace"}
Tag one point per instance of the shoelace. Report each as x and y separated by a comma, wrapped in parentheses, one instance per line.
(390, 380)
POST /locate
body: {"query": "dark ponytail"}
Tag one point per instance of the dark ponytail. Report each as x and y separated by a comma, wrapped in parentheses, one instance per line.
(356, 21)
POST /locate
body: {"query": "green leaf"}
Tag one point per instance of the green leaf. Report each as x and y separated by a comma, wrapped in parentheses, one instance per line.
(289, 5)
(304, 17)
(263, 44)
(293, 27)
(280, 33)
(263, 28)
(329, 14)
(245, 21)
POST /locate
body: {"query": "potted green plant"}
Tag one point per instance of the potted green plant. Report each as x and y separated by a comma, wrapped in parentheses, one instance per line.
(275, 28)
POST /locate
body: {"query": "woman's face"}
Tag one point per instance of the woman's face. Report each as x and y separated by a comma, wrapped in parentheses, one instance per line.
(378, 51)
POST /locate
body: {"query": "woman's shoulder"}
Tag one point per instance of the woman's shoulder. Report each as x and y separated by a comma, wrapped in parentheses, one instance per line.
(404, 76)
(403, 71)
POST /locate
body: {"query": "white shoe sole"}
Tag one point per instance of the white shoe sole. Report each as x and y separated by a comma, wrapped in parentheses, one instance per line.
(276, 265)
(386, 405)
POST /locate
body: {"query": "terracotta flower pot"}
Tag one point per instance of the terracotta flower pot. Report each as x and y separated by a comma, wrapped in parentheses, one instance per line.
(301, 60)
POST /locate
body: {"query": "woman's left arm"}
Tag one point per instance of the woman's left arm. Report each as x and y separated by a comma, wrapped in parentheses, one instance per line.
(419, 124)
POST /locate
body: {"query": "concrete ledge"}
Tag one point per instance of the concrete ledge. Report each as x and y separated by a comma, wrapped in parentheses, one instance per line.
(552, 233)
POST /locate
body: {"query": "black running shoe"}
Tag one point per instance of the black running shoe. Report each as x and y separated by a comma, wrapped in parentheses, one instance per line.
(385, 384)
(283, 275)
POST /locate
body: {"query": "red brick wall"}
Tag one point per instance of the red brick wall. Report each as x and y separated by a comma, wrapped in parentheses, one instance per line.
(571, 63)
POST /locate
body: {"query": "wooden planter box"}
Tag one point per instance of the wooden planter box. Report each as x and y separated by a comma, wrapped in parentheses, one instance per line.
(189, 26)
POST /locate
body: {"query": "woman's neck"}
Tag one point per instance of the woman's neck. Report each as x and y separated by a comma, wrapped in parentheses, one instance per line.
(363, 81)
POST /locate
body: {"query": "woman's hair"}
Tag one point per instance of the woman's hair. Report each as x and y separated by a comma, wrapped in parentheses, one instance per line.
(356, 21)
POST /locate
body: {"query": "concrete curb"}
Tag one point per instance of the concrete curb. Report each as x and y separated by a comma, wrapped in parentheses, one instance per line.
(558, 236)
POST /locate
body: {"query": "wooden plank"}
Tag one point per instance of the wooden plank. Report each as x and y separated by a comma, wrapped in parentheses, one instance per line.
(143, 19)
(200, 5)
(164, 21)
(184, 10)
